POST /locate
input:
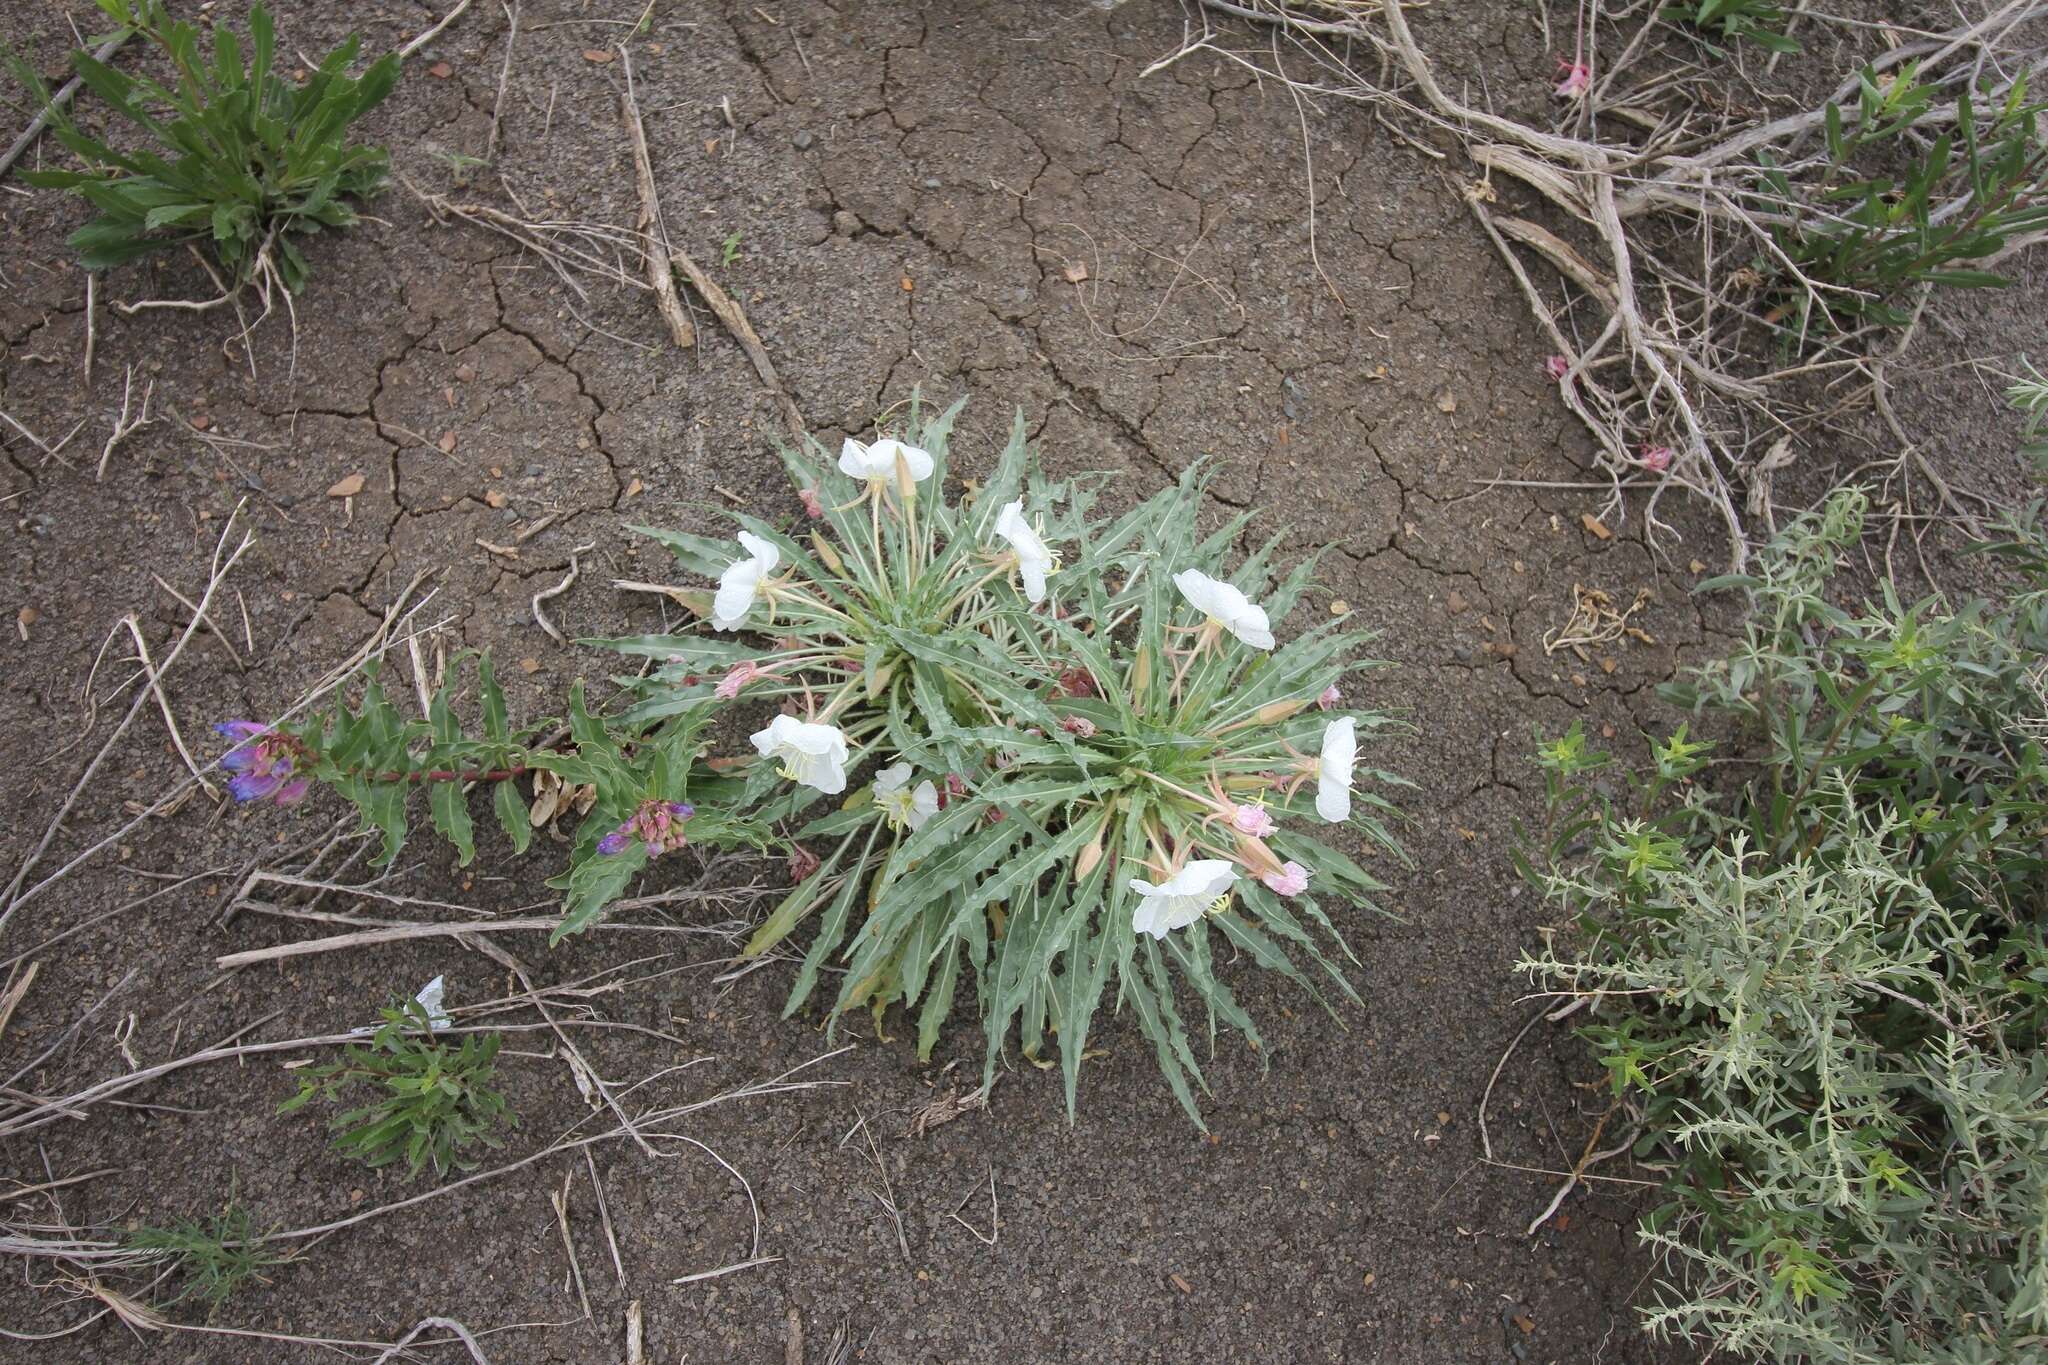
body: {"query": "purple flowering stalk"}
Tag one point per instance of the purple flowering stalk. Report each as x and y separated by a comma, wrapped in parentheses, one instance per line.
(657, 824)
(264, 763)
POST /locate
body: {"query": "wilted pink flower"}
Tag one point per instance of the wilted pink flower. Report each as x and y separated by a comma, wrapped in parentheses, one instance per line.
(1075, 682)
(995, 816)
(1077, 725)
(743, 672)
(1656, 458)
(1290, 880)
(802, 863)
(1252, 820)
(657, 824)
(1557, 367)
(813, 508)
(1578, 79)
(1330, 697)
(261, 762)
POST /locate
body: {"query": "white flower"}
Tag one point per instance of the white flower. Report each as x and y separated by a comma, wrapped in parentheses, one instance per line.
(877, 463)
(806, 752)
(741, 581)
(429, 999)
(1181, 899)
(902, 803)
(1333, 771)
(1034, 560)
(1226, 606)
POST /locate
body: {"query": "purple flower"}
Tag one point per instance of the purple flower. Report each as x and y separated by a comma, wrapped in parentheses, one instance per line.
(1290, 880)
(262, 763)
(656, 825)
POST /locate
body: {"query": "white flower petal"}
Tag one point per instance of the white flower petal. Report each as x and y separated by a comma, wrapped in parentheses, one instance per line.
(878, 461)
(892, 779)
(741, 581)
(805, 752)
(1034, 560)
(1181, 899)
(430, 998)
(924, 804)
(1220, 601)
(1333, 772)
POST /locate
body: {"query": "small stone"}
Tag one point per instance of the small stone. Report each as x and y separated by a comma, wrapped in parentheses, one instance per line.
(845, 224)
(932, 182)
(533, 471)
(803, 139)
(465, 373)
(1456, 602)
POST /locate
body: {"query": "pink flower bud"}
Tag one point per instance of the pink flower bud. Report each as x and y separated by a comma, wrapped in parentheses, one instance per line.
(1290, 880)
(1331, 696)
(1578, 79)
(813, 508)
(1657, 458)
(1077, 725)
(1252, 820)
(742, 673)
(802, 862)
(1557, 367)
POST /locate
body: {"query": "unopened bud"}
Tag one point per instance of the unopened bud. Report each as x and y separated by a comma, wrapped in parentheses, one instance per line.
(827, 556)
(906, 487)
(1275, 711)
(1141, 673)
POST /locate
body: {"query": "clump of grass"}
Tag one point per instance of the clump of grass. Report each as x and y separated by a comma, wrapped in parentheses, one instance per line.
(238, 156)
(214, 1258)
(433, 1100)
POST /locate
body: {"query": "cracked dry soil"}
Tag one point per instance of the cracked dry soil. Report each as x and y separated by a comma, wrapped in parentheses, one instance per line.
(978, 199)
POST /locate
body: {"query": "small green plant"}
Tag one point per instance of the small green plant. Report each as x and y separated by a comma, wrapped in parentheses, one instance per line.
(215, 1258)
(2029, 393)
(1096, 762)
(1818, 969)
(244, 159)
(1757, 21)
(432, 1100)
(1898, 208)
(730, 251)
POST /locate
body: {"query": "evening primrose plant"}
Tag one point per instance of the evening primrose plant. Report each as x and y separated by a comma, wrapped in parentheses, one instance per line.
(1097, 769)
(1017, 752)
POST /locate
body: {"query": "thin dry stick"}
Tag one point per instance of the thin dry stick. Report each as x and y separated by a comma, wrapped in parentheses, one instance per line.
(200, 616)
(549, 594)
(154, 683)
(735, 319)
(1587, 1157)
(217, 574)
(654, 236)
(461, 1333)
(416, 44)
(16, 989)
(560, 1199)
(125, 425)
(91, 330)
(604, 1214)
(636, 1332)
(1485, 1142)
(398, 934)
(504, 76)
(57, 102)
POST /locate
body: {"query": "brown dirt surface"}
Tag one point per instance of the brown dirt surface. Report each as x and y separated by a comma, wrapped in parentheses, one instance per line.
(973, 199)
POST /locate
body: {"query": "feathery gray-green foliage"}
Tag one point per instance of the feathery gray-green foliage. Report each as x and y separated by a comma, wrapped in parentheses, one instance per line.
(1821, 977)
